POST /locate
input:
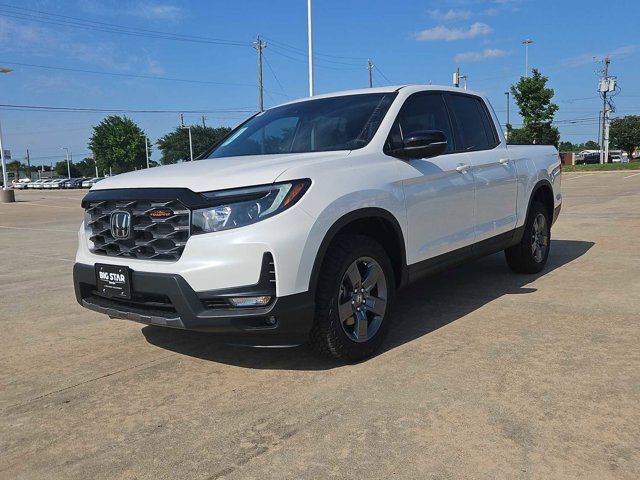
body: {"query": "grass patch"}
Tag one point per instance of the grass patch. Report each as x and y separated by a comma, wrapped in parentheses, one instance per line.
(602, 167)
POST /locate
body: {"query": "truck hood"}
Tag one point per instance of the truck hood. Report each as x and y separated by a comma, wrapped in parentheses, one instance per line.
(217, 173)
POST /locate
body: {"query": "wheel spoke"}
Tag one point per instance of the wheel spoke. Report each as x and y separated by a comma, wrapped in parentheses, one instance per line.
(360, 329)
(371, 277)
(345, 311)
(354, 276)
(377, 306)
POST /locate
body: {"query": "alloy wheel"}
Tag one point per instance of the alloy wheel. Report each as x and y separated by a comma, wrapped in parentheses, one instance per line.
(539, 238)
(362, 299)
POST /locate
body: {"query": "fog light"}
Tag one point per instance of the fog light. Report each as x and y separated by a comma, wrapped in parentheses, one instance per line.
(260, 301)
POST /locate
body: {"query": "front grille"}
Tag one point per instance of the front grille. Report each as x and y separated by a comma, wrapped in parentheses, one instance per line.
(150, 238)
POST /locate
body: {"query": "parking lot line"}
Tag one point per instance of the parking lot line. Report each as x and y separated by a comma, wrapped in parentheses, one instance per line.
(41, 205)
(38, 229)
(629, 176)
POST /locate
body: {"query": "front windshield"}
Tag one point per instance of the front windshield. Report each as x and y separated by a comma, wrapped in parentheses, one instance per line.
(322, 125)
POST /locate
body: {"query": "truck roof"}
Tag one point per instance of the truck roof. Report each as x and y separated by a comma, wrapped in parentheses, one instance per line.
(388, 89)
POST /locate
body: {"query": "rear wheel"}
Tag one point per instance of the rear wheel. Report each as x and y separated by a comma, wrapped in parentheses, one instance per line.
(354, 297)
(530, 255)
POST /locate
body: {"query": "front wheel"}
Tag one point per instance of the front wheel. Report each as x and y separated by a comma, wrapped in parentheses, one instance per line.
(530, 255)
(354, 296)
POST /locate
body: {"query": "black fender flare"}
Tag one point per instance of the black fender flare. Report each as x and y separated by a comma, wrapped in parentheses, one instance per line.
(367, 212)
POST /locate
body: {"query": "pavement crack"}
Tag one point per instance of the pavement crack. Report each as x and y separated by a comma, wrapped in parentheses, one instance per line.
(84, 382)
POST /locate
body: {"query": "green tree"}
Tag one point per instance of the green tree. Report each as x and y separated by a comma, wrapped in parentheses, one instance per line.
(567, 147)
(175, 145)
(15, 166)
(537, 111)
(117, 143)
(61, 169)
(625, 133)
(590, 145)
(86, 167)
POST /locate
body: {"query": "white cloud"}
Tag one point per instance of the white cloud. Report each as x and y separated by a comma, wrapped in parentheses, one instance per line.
(157, 11)
(450, 15)
(47, 42)
(479, 56)
(449, 34)
(587, 58)
(144, 9)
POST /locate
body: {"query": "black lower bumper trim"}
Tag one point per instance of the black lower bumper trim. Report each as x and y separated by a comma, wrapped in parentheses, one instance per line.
(286, 320)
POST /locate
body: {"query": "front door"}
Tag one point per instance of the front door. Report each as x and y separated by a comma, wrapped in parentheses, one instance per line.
(439, 191)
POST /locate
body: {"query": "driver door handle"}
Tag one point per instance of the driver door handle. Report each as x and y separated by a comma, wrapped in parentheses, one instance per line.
(462, 168)
(504, 161)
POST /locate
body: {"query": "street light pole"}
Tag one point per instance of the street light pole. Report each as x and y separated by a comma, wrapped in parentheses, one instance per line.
(7, 194)
(190, 141)
(507, 126)
(146, 147)
(526, 44)
(66, 149)
(310, 40)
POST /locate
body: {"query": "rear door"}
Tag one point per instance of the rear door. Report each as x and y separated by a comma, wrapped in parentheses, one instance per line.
(494, 172)
(439, 190)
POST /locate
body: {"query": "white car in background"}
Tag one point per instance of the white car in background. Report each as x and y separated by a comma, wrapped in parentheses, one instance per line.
(90, 182)
(300, 225)
(21, 184)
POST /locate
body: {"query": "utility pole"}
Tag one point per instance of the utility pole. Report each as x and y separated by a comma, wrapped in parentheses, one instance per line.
(604, 88)
(526, 44)
(66, 149)
(310, 41)
(146, 146)
(204, 123)
(507, 126)
(28, 159)
(190, 141)
(259, 46)
(370, 68)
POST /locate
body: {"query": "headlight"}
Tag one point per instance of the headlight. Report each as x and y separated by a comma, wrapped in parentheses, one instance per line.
(244, 206)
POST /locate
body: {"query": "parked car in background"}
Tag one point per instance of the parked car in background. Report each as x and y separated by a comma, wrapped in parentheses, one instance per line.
(73, 183)
(21, 184)
(54, 183)
(589, 159)
(44, 183)
(36, 183)
(616, 158)
(91, 182)
(305, 220)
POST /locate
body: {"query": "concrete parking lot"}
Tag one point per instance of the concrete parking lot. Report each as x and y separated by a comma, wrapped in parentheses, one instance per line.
(486, 374)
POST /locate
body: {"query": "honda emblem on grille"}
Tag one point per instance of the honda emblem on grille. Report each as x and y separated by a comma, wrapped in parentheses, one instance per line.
(120, 225)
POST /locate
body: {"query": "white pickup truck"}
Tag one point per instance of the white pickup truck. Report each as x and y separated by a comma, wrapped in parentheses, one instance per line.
(302, 224)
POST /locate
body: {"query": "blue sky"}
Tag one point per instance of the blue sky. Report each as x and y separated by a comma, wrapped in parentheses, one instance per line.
(408, 41)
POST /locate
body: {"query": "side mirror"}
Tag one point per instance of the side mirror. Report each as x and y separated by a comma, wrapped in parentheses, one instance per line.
(425, 144)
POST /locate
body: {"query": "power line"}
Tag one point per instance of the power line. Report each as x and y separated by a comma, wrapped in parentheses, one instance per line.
(115, 110)
(382, 74)
(29, 14)
(300, 51)
(132, 75)
(275, 50)
(275, 76)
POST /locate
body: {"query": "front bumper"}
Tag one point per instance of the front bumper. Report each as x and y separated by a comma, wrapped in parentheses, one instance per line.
(167, 300)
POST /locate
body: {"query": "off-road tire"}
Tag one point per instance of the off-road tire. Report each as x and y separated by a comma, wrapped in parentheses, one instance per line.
(520, 257)
(327, 336)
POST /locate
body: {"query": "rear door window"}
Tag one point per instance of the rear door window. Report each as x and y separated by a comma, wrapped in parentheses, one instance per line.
(473, 125)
